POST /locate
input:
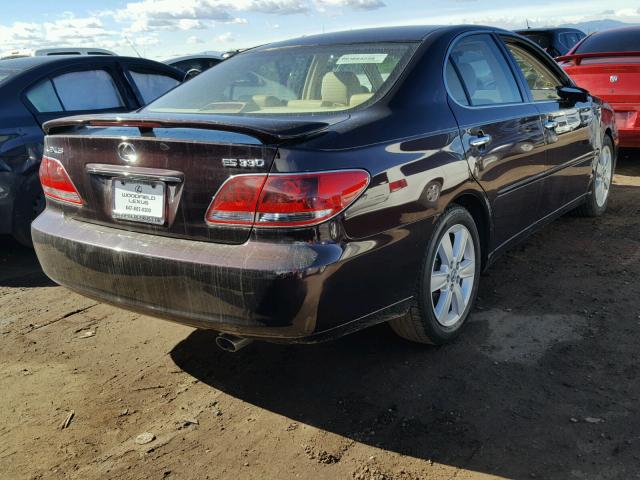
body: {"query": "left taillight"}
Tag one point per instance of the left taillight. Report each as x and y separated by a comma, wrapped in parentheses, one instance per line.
(56, 183)
(285, 200)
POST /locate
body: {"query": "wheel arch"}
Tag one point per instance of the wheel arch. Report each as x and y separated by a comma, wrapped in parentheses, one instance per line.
(478, 206)
(609, 133)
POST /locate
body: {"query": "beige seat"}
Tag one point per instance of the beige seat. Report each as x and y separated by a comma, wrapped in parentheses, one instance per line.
(359, 98)
(305, 104)
(339, 87)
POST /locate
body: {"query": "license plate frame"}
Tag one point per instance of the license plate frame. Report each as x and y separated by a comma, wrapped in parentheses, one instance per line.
(141, 205)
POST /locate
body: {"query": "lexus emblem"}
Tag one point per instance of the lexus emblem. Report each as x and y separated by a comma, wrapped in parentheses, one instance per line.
(613, 78)
(127, 152)
(138, 189)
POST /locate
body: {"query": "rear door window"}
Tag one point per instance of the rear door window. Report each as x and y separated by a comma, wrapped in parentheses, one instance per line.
(152, 85)
(456, 90)
(485, 73)
(76, 91)
(542, 81)
(569, 39)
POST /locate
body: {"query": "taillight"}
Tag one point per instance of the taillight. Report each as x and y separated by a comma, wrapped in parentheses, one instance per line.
(626, 119)
(285, 200)
(235, 203)
(56, 183)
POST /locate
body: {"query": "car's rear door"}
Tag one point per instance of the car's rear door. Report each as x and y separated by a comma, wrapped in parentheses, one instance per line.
(502, 133)
(569, 126)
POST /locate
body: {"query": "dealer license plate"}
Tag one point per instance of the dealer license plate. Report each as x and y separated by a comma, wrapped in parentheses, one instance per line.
(138, 201)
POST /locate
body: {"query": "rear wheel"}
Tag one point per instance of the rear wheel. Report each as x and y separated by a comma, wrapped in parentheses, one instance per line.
(596, 203)
(448, 283)
(29, 204)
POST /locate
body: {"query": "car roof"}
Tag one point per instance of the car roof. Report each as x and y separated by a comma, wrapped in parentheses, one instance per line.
(28, 67)
(29, 64)
(412, 33)
(548, 30)
(24, 63)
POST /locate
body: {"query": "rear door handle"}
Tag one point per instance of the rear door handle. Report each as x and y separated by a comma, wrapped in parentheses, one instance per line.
(550, 124)
(480, 141)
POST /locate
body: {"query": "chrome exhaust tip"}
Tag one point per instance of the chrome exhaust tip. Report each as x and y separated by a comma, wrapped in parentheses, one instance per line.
(231, 343)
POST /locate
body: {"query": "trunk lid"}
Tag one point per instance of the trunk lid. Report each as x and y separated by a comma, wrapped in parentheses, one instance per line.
(613, 77)
(170, 167)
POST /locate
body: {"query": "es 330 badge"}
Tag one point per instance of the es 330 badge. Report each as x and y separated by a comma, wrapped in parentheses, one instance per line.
(243, 162)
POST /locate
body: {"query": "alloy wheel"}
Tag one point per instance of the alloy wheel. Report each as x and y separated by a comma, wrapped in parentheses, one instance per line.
(452, 275)
(603, 175)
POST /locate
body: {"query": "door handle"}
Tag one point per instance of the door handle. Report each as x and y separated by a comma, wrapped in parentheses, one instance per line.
(550, 124)
(480, 141)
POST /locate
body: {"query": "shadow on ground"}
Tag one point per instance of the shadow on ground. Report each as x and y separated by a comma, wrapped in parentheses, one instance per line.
(19, 266)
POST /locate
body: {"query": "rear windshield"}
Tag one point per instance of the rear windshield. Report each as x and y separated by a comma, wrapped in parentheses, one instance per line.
(542, 39)
(626, 40)
(294, 80)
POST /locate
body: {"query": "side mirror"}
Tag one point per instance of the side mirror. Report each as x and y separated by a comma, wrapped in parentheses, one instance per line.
(194, 72)
(573, 94)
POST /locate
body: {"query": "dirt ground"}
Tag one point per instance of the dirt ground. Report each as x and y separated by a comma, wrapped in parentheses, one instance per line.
(544, 383)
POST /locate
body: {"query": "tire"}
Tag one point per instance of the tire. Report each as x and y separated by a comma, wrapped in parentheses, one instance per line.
(427, 320)
(596, 202)
(29, 203)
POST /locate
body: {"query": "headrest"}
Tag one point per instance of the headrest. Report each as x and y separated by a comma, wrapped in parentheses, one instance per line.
(337, 87)
(267, 101)
(359, 98)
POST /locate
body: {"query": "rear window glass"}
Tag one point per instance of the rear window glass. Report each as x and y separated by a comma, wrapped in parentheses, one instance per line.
(569, 39)
(152, 85)
(543, 40)
(293, 80)
(625, 40)
(487, 77)
(76, 91)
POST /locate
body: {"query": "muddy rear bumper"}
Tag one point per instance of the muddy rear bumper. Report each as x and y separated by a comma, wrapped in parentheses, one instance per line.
(255, 289)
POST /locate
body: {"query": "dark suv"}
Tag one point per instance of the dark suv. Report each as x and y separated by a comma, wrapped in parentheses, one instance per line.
(36, 89)
(555, 41)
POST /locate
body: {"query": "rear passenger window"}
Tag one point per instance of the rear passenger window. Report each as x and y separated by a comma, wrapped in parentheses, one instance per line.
(152, 85)
(484, 71)
(456, 90)
(43, 97)
(76, 91)
(542, 81)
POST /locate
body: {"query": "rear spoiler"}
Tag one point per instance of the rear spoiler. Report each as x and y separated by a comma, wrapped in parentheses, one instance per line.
(287, 131)
(578, 57)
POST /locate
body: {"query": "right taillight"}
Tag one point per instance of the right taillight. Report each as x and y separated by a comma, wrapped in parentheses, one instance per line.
(56, 183)
(285, 200)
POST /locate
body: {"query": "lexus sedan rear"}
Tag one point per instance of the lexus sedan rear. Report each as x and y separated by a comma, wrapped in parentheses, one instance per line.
(309, 188)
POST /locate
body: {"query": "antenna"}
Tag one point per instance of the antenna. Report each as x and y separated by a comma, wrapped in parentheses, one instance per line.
(132, 46)
(528, 26)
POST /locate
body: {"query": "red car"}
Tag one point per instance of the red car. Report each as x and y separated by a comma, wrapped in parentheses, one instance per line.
(607, 64)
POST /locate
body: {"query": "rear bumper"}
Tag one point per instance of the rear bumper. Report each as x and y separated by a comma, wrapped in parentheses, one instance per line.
(255, 289)
(628, 123)
(629, 138)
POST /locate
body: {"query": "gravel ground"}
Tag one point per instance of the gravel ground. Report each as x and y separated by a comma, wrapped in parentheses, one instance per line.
(543, 384)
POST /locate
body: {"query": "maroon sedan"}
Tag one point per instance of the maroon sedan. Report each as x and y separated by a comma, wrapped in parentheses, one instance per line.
(309, 188)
